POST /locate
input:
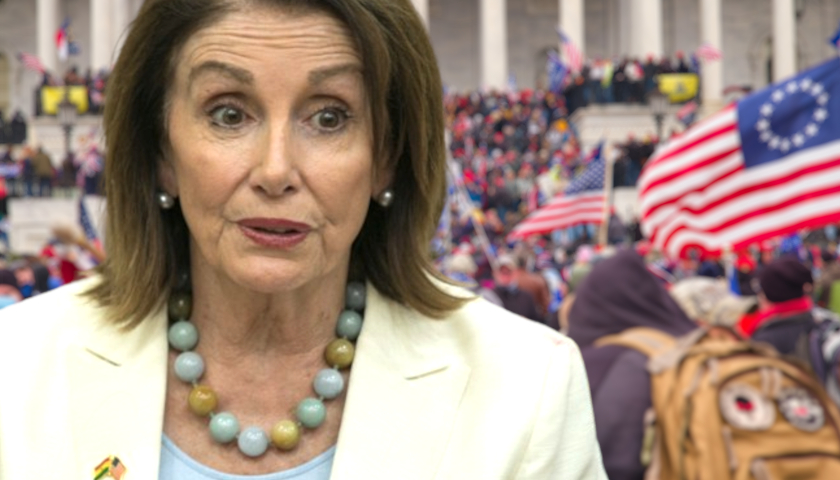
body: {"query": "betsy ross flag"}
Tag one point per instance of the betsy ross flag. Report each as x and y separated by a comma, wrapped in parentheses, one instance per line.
(764, 167)
(581, 202)
(570, 51)
(31, 62)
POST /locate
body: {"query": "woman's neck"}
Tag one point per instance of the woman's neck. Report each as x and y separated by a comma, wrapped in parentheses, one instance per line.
(235, 321)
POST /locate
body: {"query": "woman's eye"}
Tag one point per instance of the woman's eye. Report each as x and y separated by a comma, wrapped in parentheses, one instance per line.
(226, 116)
(330, 119)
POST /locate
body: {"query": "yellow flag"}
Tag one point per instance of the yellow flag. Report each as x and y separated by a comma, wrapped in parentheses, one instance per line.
(52, 96)
(679, 87)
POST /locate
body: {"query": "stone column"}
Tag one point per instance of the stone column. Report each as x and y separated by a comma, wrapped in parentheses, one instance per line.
(135, 5)
(784, 39)
(47, 28)
(101, 40)
(121, 17)
(646, 28)
(422, 7)
(711, 72)
(494, 51)
(572, 22)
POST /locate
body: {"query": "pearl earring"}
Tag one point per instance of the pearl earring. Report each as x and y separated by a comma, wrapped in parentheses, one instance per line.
(165, 200)
(386, 198)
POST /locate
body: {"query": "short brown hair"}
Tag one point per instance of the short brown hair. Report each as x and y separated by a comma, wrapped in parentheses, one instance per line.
(148, 248)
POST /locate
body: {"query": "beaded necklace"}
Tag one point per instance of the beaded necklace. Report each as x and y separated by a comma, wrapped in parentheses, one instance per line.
(310, 413)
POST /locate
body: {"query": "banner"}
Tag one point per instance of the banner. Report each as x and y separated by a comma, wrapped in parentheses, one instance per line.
(52, 96)
(679, 87)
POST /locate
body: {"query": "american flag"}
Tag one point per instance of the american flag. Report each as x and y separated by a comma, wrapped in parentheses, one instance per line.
(87, 224)
(31, 62)
(708, 52)
(570, 51)
(763, 167)
(686, 113)
(581, 202)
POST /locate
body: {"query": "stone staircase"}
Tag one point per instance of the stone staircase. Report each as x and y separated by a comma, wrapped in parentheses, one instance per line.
(616, 122)
(47, 132)
(31, 220)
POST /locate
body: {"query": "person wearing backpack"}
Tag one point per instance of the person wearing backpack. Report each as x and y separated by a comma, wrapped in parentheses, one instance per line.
(675, 402)
(618, 294)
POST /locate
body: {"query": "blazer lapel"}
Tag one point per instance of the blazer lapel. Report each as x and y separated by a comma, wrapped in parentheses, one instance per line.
(405, 388)
(118, 382)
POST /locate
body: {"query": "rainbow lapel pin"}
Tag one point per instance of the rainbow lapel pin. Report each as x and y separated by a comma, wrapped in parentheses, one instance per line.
(111, 468)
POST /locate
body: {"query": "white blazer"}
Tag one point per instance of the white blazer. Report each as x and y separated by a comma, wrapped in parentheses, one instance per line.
(482, 394)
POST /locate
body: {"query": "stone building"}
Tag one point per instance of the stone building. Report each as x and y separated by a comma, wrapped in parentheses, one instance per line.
(482, 42)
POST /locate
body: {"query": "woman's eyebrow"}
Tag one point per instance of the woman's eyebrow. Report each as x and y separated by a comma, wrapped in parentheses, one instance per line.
(214, 66)
(320, 75)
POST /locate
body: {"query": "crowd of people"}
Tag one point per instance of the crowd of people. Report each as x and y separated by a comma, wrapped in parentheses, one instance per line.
(784, 292)
(622, 303)
(68, 256)
(94, 83)
(622, 80)
(501, 145)
(31, 172)
(13, 130)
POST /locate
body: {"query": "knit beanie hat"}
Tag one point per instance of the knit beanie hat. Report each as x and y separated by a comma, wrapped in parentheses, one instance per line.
(783, 279)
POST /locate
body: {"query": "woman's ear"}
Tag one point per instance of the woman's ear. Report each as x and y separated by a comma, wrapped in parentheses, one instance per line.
(383, 178)
(167, 179)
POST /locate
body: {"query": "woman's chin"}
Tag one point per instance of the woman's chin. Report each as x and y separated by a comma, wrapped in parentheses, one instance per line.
(272, 276)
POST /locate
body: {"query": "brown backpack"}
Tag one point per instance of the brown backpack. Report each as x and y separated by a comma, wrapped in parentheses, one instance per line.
(726, 409)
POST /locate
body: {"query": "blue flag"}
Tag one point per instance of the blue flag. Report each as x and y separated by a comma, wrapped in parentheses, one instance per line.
(793, 115)
(557, 72)
(835, 40)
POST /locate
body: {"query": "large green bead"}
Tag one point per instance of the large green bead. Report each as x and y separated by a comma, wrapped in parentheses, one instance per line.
(349, 325)
(224, 427)
(355, 296)
(180, 306)
(311, 412)
(183, 336)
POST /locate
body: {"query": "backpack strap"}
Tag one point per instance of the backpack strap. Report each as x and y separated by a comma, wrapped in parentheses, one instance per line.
(663, 350)
(648, 341)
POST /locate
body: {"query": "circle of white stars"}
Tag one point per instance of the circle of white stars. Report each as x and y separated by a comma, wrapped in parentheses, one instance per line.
(782, 143)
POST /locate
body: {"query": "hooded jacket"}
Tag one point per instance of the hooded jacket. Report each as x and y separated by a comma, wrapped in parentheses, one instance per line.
(618, 294)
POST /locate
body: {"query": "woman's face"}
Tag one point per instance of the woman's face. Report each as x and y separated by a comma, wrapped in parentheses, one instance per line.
(270, 148)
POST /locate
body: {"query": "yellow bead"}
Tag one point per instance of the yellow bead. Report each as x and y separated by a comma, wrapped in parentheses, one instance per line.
(202, 400)
(285, 435)
(339, 353)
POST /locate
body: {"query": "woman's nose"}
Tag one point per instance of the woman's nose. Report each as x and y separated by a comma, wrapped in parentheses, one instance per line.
(275, 172)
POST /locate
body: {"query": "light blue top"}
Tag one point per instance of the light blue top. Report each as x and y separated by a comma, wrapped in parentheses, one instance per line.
(177, 465)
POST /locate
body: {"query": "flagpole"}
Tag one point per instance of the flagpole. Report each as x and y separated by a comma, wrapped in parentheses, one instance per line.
(460, 189)
(608, 193)
(479, 228)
